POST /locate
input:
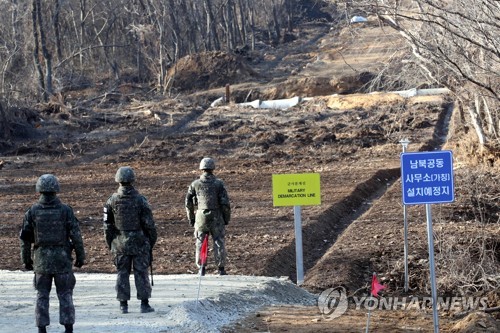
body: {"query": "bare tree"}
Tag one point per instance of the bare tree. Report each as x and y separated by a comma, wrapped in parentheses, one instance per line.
(57, 33)
(45, 46)
(212, 38)
(10, 52)
(457, 45)
(44, 77)
(4, 126)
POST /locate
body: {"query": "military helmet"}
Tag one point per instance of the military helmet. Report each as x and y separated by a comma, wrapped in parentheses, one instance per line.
(125, 175)
(47, 184)
(207, 164)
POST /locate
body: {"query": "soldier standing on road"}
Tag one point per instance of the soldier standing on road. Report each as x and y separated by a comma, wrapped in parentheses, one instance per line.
(130, 233)
(54, 230)
(213, 212)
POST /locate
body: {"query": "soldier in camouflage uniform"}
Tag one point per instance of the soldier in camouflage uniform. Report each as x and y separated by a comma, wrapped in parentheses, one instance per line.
(209, 211)
(130, 233)
(53, 229)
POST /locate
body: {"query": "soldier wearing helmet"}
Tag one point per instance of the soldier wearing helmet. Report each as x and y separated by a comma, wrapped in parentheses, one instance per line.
(209, 211)
(53, 229)
(130, 234)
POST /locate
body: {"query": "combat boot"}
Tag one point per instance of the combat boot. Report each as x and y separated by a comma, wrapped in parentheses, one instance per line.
(68, 328)
(124, 307)
(222, 271)
(42, 329)
(145, 307)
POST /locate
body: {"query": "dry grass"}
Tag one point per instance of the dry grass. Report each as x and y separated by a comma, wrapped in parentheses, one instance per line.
(362, 101)
(468, 263)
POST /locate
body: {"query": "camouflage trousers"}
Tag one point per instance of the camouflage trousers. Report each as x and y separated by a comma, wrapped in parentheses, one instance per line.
(140, 264)
(65, 283)
(214, 227)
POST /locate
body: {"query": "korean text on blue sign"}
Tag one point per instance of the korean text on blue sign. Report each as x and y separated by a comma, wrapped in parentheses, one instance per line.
(427, 177)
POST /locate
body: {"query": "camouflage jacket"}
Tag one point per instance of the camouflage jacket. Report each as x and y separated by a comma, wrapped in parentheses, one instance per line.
(129, 227)
(51, 257)
(207, 192)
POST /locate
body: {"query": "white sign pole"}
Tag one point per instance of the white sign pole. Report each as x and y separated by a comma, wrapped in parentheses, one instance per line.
(405, 143)
(430, 239)
(297, 212)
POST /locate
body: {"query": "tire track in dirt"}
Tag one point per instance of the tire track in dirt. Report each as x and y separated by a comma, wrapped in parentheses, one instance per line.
(338, 217)
(271, 67)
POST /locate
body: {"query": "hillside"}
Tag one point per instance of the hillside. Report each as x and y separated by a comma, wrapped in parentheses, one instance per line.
(351, 139)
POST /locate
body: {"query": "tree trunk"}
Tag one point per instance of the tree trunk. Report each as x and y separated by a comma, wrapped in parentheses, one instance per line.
(489, 119)
(57, 10)
(175, 28)
(243, 22)
(36, 50)
(198, 31)
(81, 34)
(456, 44)
(228, 26)
(277, 26)
(289, 9)
(45, 52)
(212, 37)
(252, 23)
(476, 121)
(193, 40)
(4, 126)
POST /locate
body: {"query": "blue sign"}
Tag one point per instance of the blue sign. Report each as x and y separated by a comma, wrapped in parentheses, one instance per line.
(427, 177)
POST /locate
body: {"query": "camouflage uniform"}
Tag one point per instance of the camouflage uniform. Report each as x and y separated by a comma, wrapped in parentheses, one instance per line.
(130, 233)
(54, 230)
(209, 211)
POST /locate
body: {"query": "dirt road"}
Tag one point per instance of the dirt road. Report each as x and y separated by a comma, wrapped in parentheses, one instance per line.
(175, 299)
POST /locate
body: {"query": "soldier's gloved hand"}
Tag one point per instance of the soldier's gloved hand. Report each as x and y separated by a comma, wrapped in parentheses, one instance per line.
(191, 223)
(79, 263)
(28, 266)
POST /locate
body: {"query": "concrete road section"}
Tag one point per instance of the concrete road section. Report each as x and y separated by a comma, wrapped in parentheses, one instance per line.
(223, 299)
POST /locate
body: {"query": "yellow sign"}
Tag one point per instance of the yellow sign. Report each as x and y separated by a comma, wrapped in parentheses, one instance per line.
(300, 189)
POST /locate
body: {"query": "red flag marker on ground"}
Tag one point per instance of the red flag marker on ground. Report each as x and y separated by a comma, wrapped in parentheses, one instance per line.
(204, 251)
(376, 286)
(203, 262)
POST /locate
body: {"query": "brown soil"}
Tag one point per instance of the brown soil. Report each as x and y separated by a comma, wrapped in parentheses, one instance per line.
(352, 141)
(209, 70)
(308, 320)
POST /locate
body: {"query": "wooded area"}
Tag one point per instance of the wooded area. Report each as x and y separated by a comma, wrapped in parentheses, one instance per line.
(456, 44)
(50, 46)
(47, 47)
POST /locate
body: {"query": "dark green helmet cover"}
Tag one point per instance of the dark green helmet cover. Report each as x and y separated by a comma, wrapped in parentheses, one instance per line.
(125, 175)
(47, 183)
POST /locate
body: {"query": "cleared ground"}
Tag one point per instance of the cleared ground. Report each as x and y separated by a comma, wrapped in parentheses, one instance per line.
(352, 141)
(175, 299)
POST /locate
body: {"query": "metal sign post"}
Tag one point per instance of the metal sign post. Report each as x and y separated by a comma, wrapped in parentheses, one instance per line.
(297, 190)
(430, 240)
(405, 143)
(427, 177)
(297, 212)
